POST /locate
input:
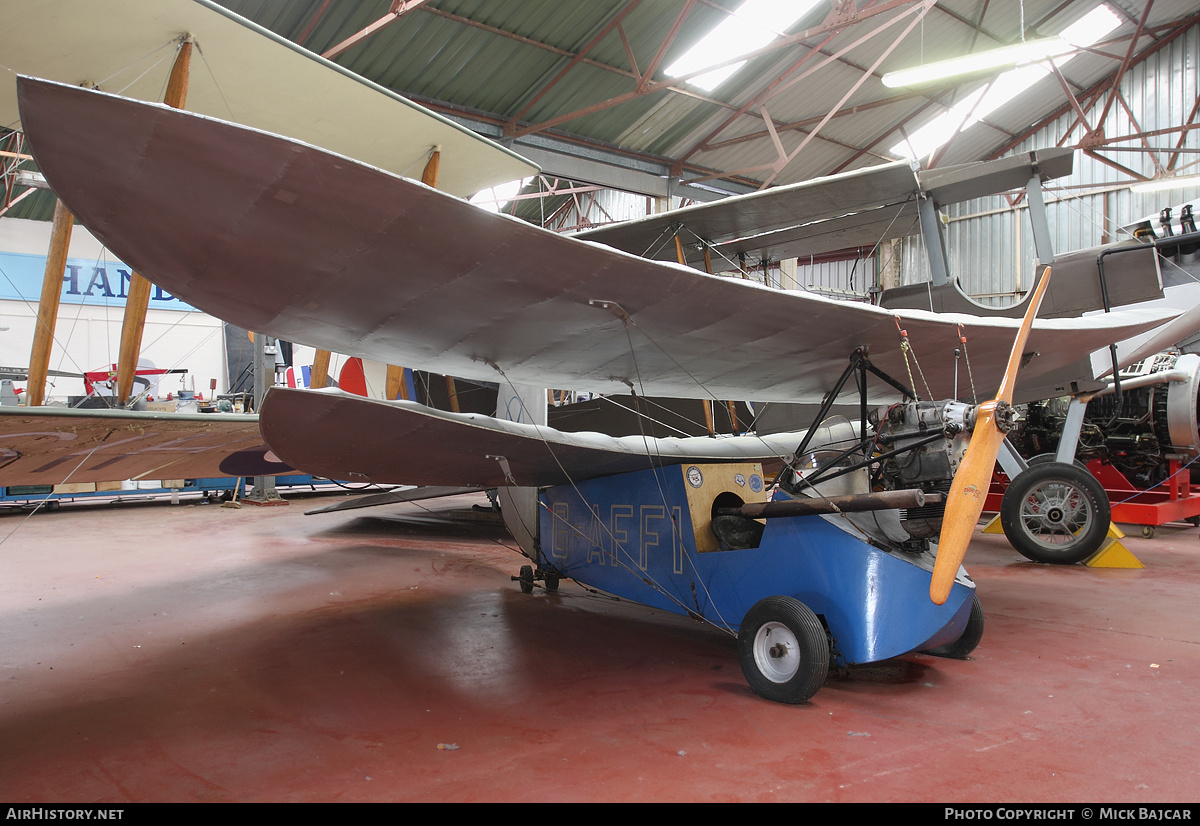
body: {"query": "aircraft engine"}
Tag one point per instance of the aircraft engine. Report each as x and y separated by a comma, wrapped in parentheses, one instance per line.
(935, 435)
(1154, 418)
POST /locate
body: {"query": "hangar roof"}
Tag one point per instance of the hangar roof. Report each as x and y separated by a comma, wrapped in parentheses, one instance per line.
(580, 88)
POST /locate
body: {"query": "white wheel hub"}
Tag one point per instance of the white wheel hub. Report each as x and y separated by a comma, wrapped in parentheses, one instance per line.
(776, 652)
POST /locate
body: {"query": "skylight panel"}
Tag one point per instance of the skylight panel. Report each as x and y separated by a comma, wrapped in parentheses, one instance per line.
(751, 26)
(972, 109)
(496, 198)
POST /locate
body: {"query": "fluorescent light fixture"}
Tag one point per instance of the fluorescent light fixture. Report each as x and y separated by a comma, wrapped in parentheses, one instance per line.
(751, 26)
(1033, 51)
(31, 179)
(1082, 33)
(1163, 184)
(987, 99)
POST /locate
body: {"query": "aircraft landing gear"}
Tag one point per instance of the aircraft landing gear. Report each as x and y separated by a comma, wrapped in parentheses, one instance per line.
(1055, 513)
(527, 577)
(783, 650)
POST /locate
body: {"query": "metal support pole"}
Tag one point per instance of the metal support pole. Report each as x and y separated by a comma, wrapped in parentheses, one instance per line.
(1010, 461)
(1037, 219)
(1068, 443)
(935, 247)
(263, 492)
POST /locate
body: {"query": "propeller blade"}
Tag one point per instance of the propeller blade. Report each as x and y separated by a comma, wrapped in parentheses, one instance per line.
(969, 489)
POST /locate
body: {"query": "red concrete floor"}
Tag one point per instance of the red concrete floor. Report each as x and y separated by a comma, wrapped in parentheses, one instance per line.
(199, 653)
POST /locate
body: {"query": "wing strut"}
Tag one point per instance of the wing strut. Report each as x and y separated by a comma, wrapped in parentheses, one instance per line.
(138, 299)
(394, 386)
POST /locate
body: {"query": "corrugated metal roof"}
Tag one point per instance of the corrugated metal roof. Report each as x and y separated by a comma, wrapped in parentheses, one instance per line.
(563, 71)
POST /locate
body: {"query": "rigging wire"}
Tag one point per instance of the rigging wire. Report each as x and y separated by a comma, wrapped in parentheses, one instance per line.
(617, 547)
(66, 479)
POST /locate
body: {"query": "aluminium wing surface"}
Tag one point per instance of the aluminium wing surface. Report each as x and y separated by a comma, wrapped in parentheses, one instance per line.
(312, 247)
(322, 432)
(249, 75)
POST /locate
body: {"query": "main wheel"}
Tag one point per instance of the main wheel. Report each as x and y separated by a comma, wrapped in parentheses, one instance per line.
(783, 650)
(1055, 513)
(968, 640)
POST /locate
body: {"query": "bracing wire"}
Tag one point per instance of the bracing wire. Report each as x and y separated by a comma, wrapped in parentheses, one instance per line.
(617, 547)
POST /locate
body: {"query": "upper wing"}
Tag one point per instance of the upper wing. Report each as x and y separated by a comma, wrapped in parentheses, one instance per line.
(50, 446)
(287, 239)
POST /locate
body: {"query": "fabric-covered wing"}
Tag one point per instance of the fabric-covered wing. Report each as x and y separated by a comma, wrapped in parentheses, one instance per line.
(340, 436)
(251, 75)
(299, 243)
(50, 446)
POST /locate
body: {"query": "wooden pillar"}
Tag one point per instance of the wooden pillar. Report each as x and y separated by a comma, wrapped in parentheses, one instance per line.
(320, 369)
(394, 385)
(679, 250)
(138, 298)
(43, 334)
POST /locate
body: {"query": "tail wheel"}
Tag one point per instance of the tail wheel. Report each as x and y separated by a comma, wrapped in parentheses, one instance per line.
(783, 650)
(526, 579)
(1055, 513)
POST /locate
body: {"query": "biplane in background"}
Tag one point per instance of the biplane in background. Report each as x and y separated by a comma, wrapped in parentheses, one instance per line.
(1131, 407)
(286, 238)
(251, 75)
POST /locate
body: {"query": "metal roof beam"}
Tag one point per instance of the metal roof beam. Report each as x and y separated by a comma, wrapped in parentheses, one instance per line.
(399, 9)
(307, 31)
(1173, 30)
(801, 124)
(924, 7)
(1141, 26)
(785, 81)
(1189, 123)
(833, 21)
(900, 126)
(615, 22)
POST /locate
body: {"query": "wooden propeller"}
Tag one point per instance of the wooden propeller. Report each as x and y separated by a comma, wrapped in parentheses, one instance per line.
(969, 489)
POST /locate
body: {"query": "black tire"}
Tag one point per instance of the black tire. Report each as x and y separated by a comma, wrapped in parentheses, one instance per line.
(1055, 513)
(783, 650)
(1046, 458)
(971, 635)
(551, 580)
(526, 579)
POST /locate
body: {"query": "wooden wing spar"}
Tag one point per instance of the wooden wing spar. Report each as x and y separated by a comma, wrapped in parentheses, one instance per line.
(50, 446)
(279, 236)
